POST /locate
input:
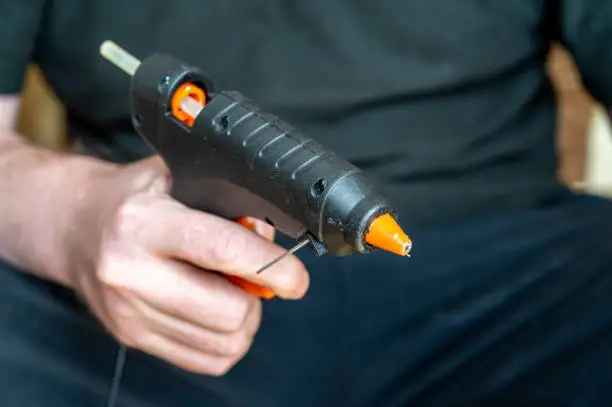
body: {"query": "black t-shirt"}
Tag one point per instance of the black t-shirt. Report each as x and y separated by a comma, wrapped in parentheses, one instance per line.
(446, 103)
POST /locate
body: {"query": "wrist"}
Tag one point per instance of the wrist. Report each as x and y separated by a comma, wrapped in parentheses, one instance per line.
(75, 188)
(40, 187)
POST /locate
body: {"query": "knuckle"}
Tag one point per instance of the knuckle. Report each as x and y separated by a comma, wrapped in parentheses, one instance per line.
(220, 368)
(128, 328)
(127, 220)
(107, 272)
(144, 340)
(232, 322)
(193, 365)
(227, 247)
(111, 272)
(128, 338)
(235, 315)
(236, 345)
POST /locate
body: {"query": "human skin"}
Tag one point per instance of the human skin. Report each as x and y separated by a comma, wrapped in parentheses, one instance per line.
(148, 267)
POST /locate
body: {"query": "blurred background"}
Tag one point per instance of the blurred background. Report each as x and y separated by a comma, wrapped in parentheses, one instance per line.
(584, 138)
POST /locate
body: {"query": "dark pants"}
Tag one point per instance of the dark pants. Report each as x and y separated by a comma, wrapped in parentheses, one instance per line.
(504, 310)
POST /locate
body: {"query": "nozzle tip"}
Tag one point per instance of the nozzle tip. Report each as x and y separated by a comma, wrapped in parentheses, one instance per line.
(386, 234)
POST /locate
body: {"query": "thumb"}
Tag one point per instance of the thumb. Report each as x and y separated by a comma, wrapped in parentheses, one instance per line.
(150, 174)
(217, 244)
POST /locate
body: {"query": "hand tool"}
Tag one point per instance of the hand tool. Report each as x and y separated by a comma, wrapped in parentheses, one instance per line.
(228, 158)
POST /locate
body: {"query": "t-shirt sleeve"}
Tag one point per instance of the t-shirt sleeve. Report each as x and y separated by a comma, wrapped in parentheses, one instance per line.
(19, 28)
(586, 31)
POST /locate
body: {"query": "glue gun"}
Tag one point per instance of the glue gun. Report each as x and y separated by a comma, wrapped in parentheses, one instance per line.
(228, 158)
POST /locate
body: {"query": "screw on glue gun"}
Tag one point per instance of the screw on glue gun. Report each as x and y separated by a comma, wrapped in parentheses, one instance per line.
(229, 158)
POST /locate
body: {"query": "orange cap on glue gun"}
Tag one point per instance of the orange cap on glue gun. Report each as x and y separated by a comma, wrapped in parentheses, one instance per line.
(384, 233)
(187, 90)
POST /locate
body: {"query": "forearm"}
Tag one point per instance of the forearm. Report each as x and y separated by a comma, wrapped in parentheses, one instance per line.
(40, 193)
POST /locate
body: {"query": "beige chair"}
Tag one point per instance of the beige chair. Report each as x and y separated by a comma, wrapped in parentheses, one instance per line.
(42, 117)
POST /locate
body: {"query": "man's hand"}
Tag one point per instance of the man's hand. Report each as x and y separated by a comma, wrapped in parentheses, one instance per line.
(140, 260)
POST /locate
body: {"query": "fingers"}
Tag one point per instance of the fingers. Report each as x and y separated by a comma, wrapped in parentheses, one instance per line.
(225, 344)
(151, 286)
(204, 325)
(196, 296)
(187, 357)
(212, 243)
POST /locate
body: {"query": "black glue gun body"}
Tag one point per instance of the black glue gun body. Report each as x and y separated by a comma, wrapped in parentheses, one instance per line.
(234, 161)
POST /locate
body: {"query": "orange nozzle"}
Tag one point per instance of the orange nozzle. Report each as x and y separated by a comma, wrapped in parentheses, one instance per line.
(384, 233)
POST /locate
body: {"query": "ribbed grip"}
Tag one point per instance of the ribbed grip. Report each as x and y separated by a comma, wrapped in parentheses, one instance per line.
(300, 170)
